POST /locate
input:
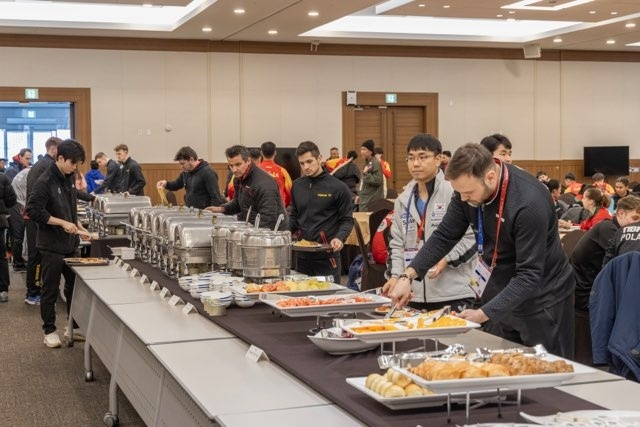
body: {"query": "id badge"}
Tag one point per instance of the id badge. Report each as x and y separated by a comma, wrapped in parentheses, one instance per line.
(409, 255)
(480, 278)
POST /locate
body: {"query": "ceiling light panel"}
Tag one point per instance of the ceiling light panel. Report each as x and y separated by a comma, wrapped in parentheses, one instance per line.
(539, 5)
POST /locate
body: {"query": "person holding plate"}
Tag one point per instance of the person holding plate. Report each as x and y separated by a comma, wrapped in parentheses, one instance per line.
(522, 276)
(52, 205)
(321, 211)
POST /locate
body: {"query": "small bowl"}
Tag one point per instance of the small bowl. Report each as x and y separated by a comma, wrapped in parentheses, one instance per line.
(245, 303)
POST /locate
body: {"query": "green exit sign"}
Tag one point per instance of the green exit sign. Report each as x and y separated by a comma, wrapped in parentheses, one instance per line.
(391, 98)
(31, 93)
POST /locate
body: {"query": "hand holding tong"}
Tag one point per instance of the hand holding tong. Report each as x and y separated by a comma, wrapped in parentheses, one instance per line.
(332, 261)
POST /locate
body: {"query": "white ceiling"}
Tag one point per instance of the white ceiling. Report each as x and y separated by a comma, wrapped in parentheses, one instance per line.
(584, 24)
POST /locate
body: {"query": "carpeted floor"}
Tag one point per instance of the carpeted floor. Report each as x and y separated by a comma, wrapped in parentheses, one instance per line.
(40, 386)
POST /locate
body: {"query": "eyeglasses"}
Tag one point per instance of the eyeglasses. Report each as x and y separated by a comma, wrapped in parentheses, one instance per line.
(420, 159)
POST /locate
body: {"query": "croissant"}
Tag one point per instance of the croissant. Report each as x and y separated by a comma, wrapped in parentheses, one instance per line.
(394, 391)
(414, 390)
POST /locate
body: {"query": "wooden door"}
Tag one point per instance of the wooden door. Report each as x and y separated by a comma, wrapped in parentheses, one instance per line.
(390, 128)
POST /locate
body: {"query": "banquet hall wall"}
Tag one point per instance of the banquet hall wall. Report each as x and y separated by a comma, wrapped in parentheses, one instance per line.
(157, 101)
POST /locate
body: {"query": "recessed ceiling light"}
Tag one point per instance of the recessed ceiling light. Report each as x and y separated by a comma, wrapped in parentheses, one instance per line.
(499, 15)
(557, 40)
(273, 32)
(614, 13)
(511, 12)
(238, 11)
(446, 6)
(313, 13)
(592, 12)
(421, 5)
(206, 29)
(147, 5)
(511, 20)
(610, 41)
(630, 25)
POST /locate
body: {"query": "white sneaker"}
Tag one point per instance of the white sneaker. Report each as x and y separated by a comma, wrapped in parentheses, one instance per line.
(52, 340)
(77, 336)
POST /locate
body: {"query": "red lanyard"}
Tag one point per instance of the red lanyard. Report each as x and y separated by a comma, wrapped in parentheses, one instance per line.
(503, 197)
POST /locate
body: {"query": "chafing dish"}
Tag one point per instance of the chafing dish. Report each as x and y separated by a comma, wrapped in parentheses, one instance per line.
(191, 248)
(109, 211)
(265, 254)
(218, 236)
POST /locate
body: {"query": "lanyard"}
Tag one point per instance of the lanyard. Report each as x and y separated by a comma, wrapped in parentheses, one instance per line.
(423, 215)
(480, 238)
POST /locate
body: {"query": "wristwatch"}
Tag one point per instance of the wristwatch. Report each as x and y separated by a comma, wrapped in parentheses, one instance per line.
(405, 276)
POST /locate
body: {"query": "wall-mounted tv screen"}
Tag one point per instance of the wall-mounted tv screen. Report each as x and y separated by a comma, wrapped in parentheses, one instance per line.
(611, 161)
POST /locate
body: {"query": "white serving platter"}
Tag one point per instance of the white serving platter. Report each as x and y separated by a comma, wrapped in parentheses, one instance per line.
(320, 310)
(339, 346)
(241, 289)
(404, 333)
(514, 382)
(588, 418)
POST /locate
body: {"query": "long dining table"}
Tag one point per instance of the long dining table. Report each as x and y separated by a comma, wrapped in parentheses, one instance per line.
(176, 375)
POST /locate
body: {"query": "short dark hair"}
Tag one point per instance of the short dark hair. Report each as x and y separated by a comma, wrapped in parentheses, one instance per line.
(623, 179)
(3, 160)
(268, 149)
(597, 176)
(308, 147)
(570, 175)
(334, 148)
(94, 164)
(99, 155)
(24, 151)
(493, 141)
(186, 153)
(553, 184)
(352, 154)
(446, 153)
(426, 142)
(378, 150)
(629, 203)
(540, 173)
(255, 154)
(470, 159)
(121, 147)
(70, 149)
(237, 150)
(53, 141)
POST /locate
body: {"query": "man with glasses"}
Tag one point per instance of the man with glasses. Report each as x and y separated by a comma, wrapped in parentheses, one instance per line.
(417, 212)
(198, 179)
(254, 190)
(16, 219)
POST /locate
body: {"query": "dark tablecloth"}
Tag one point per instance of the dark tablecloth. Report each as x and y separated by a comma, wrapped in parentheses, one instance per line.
(284, 340)
(100, 247)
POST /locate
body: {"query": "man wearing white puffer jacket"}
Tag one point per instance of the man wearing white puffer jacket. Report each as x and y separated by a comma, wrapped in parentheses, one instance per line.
(418, 211)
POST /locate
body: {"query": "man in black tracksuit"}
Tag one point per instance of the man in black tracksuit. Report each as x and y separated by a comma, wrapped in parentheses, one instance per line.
(130, 177)
(111, 179)
(197, 178)
(627, 239)
(320, 203)
(52, 205)
(253, 188)
(34, 259)
(529, 293)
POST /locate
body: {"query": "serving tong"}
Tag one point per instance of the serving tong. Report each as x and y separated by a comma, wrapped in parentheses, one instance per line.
(414, 358)
(484, 354)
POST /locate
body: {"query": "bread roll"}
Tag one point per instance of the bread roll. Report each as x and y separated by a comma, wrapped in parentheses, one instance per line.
(369, 381)
(394, 391)
(413, 390)
(400, 379)
(383, 387)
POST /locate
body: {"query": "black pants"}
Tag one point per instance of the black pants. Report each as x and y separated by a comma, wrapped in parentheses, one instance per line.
(4, 264)
(553, 327)
(456, 305)
(16, 220)
(318, 264)
(33, 262)
(53, 267)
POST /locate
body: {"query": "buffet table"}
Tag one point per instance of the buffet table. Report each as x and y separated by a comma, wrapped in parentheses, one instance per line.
(179, 379)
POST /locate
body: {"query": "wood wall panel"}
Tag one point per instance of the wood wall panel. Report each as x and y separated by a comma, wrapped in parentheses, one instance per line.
(557, 169)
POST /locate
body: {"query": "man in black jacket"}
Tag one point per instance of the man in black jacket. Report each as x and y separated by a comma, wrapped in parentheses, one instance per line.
(8, 199)
(349, 173)
(197, 178)
(130, 178)
(33, 261)
(626, 239)
(52, 205)
(253, 188)
(111, 178)
(321, 211)
(529, 283)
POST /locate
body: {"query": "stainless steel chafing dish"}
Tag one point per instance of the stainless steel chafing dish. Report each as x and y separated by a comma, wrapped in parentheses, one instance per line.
(109, 211)
(266, 254)
(219, 235)
(191, 249)
(139, 228)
